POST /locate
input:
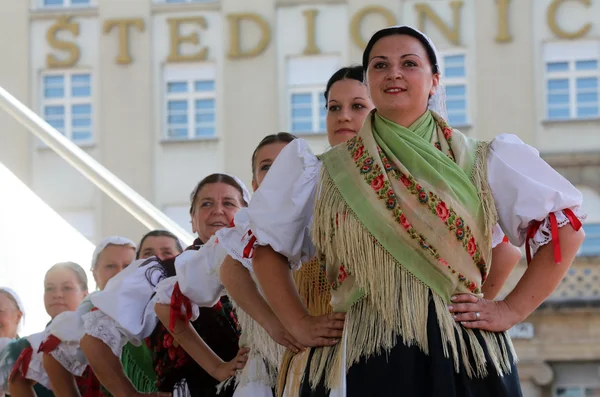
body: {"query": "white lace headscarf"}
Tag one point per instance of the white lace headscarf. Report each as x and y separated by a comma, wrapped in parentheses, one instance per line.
(19, 303)
(437, 102)
(112, 240)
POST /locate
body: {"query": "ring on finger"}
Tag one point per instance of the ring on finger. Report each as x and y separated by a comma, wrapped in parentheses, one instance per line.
(477, 315)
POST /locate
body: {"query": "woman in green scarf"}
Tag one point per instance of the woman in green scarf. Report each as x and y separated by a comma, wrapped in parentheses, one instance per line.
(401, 219)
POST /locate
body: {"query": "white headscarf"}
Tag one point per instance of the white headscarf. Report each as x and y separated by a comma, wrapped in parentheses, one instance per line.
(112, 240)
(19, 303)
(245, 191)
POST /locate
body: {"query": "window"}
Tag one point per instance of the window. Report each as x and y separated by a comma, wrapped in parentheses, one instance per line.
(65, 3)
(183, 1)
(190, 105)
(307, 110)
(577, 391)
(67, 104)
(571, 83)
(307, 78)
(591, 244)
(454, 79)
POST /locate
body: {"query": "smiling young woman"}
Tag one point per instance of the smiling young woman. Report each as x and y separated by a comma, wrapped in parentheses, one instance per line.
(401, 218)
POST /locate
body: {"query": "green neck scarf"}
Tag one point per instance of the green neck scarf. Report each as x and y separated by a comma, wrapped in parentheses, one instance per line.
(412, 189)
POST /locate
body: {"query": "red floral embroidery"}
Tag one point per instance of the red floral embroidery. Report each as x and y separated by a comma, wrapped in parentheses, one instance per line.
(342, 275)
(359, 152)
(447, 131)
(405, 180)
(404, 222)
(471, 246)
(442, 211)
(378, 182)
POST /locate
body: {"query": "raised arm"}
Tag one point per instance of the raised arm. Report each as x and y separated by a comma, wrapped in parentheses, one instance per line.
(539, 208)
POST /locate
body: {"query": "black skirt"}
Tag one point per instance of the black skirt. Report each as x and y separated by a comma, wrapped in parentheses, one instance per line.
(406, 371)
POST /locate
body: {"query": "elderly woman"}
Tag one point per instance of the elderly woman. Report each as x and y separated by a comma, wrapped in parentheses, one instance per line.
(125, 311)
(401, 218)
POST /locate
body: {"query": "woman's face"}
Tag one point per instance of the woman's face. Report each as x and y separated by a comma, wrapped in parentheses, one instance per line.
(215, 206)
(265, 156)
(163, 247)
(348, 104)
(10, 315)
(399, 77)
(62, 291)
(111, 261)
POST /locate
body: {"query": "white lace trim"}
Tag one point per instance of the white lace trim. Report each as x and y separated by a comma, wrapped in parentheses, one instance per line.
(36, 371)
(70, 356)
(101, 326)
(544, 234)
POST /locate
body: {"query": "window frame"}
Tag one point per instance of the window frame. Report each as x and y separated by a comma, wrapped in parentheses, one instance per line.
(68, 101)
(65, 4)
(568, 385)
(571, 75)
(456, 81)
(316, 92)
(175, 74)
(166, 2)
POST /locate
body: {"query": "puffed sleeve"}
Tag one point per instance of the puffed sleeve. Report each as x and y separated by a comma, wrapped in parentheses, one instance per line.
(62, 336)
(280, 212)
(532, 199)
(237, 240)
(124, 311)
(198, 273)
(36, 371)
(196, 284)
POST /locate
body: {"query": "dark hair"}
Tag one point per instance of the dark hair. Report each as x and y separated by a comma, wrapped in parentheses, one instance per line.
(76, 269)
(285, 137)
(158, 233)
(215, 178)
(402, 30)
(354, 72)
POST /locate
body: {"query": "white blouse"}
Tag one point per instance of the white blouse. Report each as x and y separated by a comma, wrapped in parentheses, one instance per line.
(125, 307)
(68, 327)
(197, 273)
(36, 370)
(525, 189)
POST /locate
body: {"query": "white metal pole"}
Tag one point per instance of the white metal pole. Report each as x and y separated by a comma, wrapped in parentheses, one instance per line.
(116, 189)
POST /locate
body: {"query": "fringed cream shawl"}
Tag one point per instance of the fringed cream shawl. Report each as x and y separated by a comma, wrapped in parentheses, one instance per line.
(405, 215)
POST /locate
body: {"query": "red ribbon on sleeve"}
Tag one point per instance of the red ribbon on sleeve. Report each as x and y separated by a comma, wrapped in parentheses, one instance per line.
(49, 345)
(575, 223)
(22, 364)
(177, 300)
